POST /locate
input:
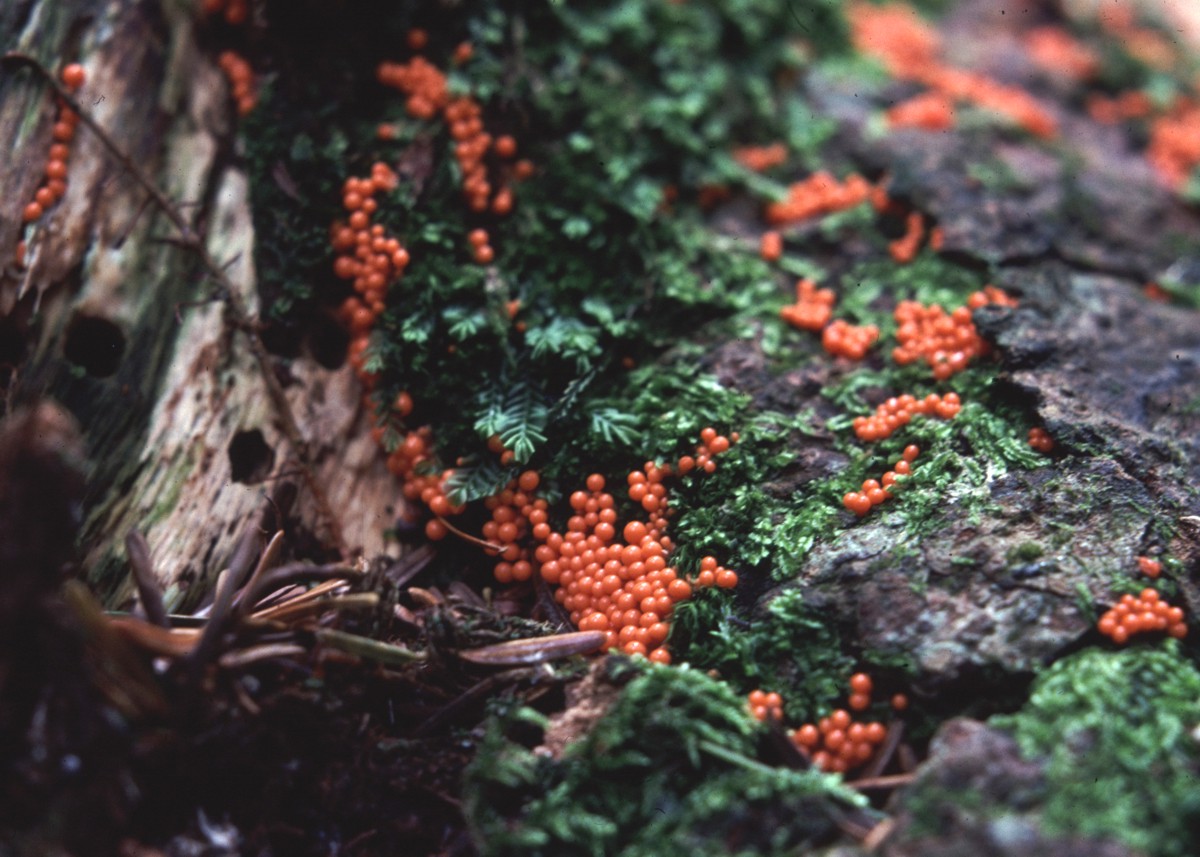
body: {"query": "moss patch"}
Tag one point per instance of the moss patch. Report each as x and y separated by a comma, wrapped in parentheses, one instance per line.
(1115, 731)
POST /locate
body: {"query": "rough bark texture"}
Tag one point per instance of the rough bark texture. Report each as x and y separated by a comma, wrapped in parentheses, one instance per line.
(122, 325)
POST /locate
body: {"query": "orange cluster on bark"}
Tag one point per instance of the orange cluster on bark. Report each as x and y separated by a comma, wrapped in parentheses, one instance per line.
(813, 307)
(241, 81)
(874, 491)
(904, 249)
(909, 48)
(54, 180)
(1174, 149)
(932, 111)
(820, 193)
(1056, 51)
(838, 743)
(427, 95)
(1040, 440)
(898, 412)
(947, 342)
(235, 12)
(761, 158)
(1142, 614)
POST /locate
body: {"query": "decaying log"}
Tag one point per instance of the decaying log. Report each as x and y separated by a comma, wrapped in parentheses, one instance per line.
(116, 320)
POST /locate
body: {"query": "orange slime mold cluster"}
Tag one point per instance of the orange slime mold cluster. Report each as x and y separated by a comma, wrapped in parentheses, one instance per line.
(898, 411)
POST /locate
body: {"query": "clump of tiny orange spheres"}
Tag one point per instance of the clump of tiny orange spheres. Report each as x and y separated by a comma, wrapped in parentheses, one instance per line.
(241, 80)
(875, 491)
(54, 183)
(1142, 614)
(946, 341)
(838, 743)
(898, 411)
(1040, 440)
(909, 48)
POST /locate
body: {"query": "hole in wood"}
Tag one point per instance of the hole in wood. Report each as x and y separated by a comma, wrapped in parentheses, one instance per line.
(94, 343)
(250, 458)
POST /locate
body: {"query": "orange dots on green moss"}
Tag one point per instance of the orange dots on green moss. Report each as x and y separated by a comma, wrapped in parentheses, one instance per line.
(843, 339)
(1131, 104)
(874, 491)
(930, 111)
(1174, 149)
(947, 342)
(771, 246)
(813, 308)
(909, 48)
(1152, 568)
(820, 193)
(1059, 53)
(1142, 614)
(761, 158)
(241, 81)
(898, 411)
(1040, 440)
(366, 256)
(838, 742)
(765, 706)
(608, 577)
(428, 94)
(904, 249)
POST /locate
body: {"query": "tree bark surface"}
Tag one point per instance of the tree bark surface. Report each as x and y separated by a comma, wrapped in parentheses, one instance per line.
(111, 316)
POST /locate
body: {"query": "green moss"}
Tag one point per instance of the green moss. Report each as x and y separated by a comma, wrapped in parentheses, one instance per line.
(670, 769)
(1024, 552)
(790, 648)
(1114, 729)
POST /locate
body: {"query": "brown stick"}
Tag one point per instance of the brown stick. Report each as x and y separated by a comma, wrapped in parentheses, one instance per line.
(149, 592)
(894, 781)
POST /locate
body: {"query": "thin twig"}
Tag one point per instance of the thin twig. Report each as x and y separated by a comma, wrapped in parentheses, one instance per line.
(292, 611)
(228, 583)
(149, 592)
(893, 781)
(241, 604)
(297, 572)
(488, 546)
(237, 310)
(365, 647)
(253, 654)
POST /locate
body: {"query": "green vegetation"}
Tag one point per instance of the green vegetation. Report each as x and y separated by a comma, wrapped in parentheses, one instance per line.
(579, 346)
(1115, 730)
(616, 107)
(671, 768)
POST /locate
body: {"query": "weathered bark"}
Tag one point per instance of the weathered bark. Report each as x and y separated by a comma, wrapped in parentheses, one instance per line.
(120, 323)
